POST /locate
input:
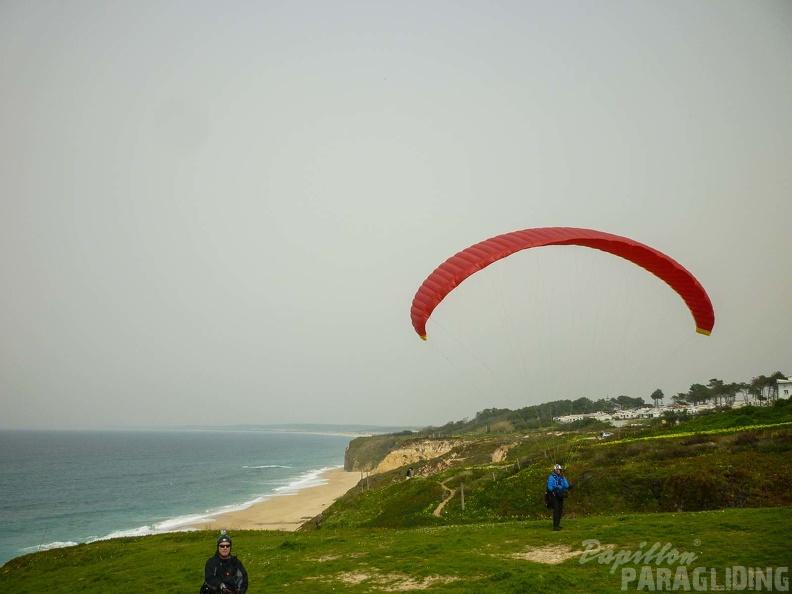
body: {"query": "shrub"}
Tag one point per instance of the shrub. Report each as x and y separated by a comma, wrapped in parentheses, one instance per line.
(501, 427)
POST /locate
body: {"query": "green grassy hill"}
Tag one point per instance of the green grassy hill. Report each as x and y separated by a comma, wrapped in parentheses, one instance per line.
(507, 557)
(715, 487)
(739, 458)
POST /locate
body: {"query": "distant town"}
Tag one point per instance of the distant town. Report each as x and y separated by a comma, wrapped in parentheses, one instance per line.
(680, 406)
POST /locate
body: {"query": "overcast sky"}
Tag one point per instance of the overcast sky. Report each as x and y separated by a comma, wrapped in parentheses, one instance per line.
(219, 212)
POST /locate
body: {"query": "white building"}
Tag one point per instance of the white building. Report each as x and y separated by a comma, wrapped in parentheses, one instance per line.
(784, 387)
(568, 418)
(599, 416)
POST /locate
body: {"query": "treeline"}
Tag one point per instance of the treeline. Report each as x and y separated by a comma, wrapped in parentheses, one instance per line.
(545, 412)
(760, 389)
(502, 420)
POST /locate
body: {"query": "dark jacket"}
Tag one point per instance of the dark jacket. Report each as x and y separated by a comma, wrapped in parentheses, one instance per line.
(228, 571)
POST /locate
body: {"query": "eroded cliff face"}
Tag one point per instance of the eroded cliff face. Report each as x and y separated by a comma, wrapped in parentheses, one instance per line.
(385, 453)
(500, 453)
(416, 452)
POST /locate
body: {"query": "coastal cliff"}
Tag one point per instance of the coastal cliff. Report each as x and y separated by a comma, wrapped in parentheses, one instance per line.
(382, 454)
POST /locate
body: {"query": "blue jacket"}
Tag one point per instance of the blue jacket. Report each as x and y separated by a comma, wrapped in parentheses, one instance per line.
(557, 482)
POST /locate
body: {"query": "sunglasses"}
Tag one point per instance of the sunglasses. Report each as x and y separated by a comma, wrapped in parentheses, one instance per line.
(224, 546)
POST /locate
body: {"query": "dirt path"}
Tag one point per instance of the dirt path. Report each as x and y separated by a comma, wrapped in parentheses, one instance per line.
(449, 495)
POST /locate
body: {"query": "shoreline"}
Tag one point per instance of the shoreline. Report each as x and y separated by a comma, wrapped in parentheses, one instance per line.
(289, 511)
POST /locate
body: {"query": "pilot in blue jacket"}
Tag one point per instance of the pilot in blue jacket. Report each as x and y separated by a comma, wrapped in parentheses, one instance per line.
(558, 485)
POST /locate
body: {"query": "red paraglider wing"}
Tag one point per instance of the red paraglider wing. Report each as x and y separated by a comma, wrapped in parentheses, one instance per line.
(456, 269)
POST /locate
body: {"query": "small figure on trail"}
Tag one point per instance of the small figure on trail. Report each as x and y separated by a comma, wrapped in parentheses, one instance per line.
(559, 487)
(224, 573)
(409, 473)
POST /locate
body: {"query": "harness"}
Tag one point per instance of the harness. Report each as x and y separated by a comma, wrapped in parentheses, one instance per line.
(230, 568)
(558, 485)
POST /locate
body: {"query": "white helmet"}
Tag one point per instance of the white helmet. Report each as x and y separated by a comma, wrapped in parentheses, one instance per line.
(557, 467)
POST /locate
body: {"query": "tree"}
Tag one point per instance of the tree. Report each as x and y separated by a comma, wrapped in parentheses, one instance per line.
(607, 405)
(582, 405)
(731, 391)
(761, 388)
(717, 390)
(628, 402)
(698, 394)
(657, 395)
(491, 413)
(680, 399)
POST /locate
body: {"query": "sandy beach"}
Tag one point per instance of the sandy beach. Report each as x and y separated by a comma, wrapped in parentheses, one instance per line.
(287, 512)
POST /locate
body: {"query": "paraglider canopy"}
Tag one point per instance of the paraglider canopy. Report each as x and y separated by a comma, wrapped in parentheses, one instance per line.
(457, 268)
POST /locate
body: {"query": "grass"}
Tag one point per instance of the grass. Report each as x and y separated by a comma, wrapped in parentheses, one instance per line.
(716, 487)
(675, 471)
(484, 557)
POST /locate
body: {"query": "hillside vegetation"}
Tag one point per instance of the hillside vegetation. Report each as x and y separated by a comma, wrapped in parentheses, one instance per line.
(715, 488)
(736, 458)
(507, 557)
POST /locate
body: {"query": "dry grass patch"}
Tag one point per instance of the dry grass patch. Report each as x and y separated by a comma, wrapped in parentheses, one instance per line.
(389, 582)
(354, 577)
(407, 583)
(325, 558)
(551, 554)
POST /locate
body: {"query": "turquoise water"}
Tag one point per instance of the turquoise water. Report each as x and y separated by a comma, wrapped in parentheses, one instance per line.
(60, 488)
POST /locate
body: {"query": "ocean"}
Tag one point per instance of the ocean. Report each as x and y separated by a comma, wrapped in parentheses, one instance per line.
(61, 488)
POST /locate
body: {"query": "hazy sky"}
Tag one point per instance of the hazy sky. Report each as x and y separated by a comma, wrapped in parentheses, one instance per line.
(219, 212)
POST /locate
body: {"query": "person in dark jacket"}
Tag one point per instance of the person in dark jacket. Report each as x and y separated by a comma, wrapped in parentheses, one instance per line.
(223, 571)
(558, 485)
